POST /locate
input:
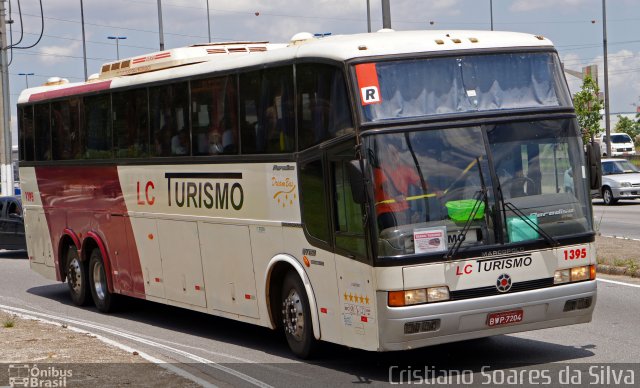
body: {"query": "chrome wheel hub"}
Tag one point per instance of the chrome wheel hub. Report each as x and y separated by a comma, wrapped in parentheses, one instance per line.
(98, 282)
(292, 315)
(74, 275)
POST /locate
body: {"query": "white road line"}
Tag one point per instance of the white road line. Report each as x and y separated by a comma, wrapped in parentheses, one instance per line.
(157, 361)
(619, 283)
(145, 341)
(622, 238)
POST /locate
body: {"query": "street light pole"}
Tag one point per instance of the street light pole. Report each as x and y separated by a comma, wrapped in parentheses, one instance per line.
(368, 16)
(491, 12)
(386, 14)
(208, 21)
(117, 39)
(26, 78)
(607, 121)
(84, 42)
(160, 32)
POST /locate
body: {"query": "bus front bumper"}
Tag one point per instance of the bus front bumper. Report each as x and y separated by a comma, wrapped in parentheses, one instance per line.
(467, 319)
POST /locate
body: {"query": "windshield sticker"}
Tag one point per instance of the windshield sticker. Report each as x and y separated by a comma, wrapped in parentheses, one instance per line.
(368, 83)
(430, 240)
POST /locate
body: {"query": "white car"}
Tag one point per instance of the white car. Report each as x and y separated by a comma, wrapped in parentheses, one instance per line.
(620, 180)
(621, 144)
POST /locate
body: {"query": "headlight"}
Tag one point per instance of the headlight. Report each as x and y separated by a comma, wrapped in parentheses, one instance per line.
(576, 274)
(418, 296)
(625, 184)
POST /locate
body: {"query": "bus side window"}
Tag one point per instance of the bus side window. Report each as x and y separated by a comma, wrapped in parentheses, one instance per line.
(97, 112)
(270, 91)
(169, 119)
(349, 233)
(26, 133)
(66, 129)
(131, 124)
(313, 199)
(42, 132)
(214, 116)
(323, 104)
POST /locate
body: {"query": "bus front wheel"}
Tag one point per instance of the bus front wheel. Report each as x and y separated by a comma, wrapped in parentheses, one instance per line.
(102, 298)
(296, 316)
(76, 277)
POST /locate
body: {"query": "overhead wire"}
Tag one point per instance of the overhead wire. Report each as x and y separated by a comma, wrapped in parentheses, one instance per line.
(41, 31)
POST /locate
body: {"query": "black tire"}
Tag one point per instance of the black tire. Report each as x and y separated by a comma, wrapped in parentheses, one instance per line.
(296, 316)
(607, 197)
(102, 298)
(77, 278)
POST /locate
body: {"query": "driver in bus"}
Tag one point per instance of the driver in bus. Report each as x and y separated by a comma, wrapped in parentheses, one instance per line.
(394, 177)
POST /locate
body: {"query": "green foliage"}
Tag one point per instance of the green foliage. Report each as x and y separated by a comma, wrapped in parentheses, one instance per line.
(588, 106)
(628, 126)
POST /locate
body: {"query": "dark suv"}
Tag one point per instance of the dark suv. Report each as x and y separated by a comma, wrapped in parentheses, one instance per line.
(11, 224)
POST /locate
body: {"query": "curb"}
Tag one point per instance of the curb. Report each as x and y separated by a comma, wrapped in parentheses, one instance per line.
(613, 270)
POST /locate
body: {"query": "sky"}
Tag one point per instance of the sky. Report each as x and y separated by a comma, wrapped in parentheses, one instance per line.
(575, 27)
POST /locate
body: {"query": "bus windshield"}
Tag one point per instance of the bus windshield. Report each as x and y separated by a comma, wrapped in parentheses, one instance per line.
(435, 86)
(435, 187)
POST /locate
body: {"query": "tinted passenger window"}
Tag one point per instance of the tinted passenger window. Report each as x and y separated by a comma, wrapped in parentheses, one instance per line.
(66, 130)
(323, 104)
(42, 132)
(267, 111)
(169, 116)
(131, 124)
(214, 116)
(98, 129)
(26, 133)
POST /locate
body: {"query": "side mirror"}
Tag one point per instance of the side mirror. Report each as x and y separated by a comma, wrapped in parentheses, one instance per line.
(356, 181)
(594, 165)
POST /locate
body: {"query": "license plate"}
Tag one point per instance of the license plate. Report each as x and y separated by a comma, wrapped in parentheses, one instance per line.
(505, 318)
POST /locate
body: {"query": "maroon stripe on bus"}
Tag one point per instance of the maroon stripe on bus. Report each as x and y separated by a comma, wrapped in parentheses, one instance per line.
(92, 87)
(89, 200)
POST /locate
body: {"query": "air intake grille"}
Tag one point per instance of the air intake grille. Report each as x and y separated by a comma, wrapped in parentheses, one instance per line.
(492, 290)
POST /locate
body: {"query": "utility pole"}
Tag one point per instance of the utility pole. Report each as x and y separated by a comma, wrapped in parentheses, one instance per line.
(368, 16)
(208, 22)
(607, 121)
(6, 167)
(386, 14)
(84, 42)
(160, 32)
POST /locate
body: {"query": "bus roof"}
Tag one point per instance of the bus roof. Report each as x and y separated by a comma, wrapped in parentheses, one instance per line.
(206, 58)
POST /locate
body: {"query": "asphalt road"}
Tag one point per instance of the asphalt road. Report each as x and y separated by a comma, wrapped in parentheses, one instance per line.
(621, 219)
(229, 353)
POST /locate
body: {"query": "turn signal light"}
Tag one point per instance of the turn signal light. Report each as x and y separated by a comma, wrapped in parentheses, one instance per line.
(418, 296)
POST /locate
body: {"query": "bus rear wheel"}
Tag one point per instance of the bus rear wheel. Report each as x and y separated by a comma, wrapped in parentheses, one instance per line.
(76, 277)
(296, 316)
(102, 298)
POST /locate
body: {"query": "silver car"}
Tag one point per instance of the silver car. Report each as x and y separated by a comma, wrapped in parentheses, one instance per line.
(620, 180)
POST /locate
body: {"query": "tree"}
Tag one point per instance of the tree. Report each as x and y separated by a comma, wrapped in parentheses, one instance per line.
(588, 107)
(628, 126)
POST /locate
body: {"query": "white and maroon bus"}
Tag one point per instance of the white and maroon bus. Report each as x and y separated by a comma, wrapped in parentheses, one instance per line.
(381, 191)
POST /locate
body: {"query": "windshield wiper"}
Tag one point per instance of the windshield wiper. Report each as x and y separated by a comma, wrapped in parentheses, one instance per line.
(481, 198)
(552, 241)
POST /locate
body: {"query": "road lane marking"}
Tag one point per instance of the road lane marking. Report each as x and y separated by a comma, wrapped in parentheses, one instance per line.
(148, 357)
(145, 341)
(622, 238)
(620, 283)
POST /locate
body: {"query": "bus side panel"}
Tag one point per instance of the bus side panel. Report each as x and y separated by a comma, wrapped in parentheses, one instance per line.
(356, 288)
(83, 199)
(181, 263)
(228, 268)
(39, 247)
(322, 275)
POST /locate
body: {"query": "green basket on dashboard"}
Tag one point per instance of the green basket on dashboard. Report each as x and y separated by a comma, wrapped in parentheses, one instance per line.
(461, 210)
